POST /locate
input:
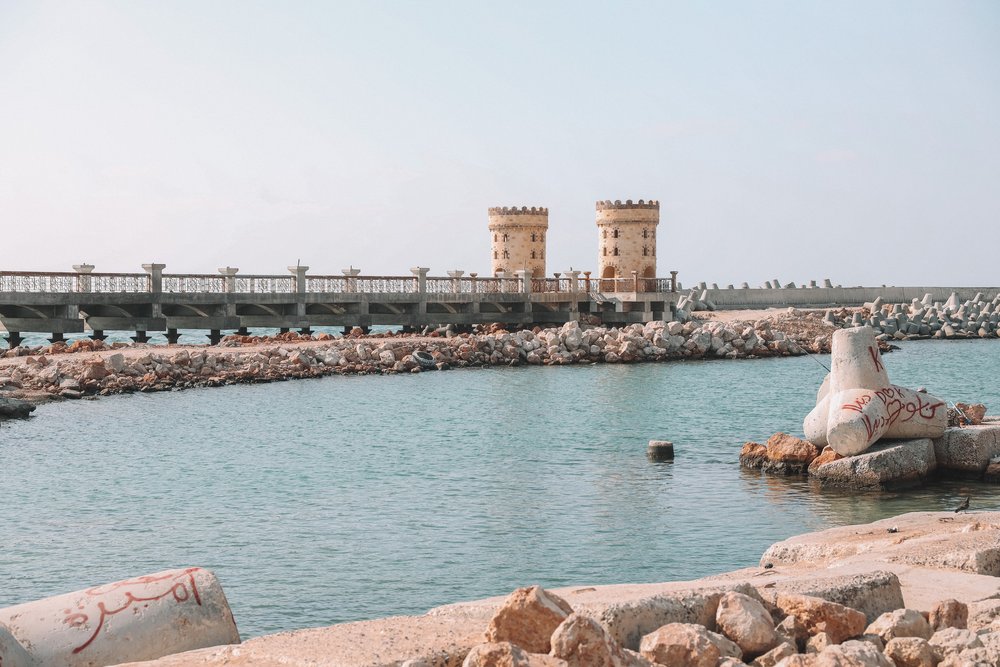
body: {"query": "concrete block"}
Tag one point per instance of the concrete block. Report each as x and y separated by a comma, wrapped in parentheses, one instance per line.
(888, 464)
(12, 654)
(137, 619)
(968, 449)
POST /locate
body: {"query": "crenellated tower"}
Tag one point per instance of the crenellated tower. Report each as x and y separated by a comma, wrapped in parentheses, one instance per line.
(517, 238)
(627, 238)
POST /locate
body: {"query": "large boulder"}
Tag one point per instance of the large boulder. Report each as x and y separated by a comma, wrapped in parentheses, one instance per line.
(890, 464)
(852, 654)
(900, 623)
(818, 615)
(505, 654)
(788, 454)
(871, 593)
(528, 618)
(968, 450)
(745, 621)
(687, 645)
(949, 614)
(583, 642)
(775, 655)
(952, 641)
(909, 652)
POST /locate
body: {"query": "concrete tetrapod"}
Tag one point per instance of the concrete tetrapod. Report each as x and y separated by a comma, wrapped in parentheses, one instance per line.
(137, 619)
(856, 404)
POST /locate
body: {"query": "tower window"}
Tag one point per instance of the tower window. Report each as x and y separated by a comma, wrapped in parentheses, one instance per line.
(505, 237)
(645, 251)
(494, 238)
(645, 233)
(532, 237)
(533, 255)
(506, 254)
(615, 234)
(604, 233)
(616, 251)
(496, 255)
(604, 252)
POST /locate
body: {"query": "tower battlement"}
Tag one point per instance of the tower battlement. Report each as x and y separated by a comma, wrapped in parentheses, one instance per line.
(514, 210)
(617, 204)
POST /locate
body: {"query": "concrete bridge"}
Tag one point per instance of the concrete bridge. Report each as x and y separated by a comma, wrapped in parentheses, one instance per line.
(153, 301)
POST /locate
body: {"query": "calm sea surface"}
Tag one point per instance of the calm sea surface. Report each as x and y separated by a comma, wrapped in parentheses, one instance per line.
(345, 498)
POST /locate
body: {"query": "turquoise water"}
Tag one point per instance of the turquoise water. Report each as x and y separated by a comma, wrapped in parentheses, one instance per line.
(344, 498)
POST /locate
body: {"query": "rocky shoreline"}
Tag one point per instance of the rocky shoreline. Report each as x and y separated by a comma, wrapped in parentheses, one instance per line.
(916, 589)
(90, 368)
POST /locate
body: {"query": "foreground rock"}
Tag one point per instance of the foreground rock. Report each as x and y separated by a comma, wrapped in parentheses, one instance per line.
(682, 644)
(891, 464)
(528, 618)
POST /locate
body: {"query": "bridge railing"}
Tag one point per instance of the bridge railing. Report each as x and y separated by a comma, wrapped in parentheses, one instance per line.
(67, 282)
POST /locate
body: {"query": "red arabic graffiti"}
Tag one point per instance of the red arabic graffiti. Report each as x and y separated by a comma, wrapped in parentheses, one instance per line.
(896, 406)
(182, 587)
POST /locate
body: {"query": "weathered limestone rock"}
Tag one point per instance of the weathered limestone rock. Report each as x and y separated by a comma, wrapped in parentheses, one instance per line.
(745, 621)
(974, 413)
(505, 654)
(687, 644)
(983, 614)
(791, 630)
(775, 655)
(970, 657)
(909, 652)
(900, 623)
(528, 618)
(951, 642)
(887, 465)
(13, 408)
(968, 450)
(788, 454)
(871, 593)
(949, 614)
(753, 455)
(583, 642)
(627, 622)
(837, 621)
(156, 615)
(852, 654)
(826, 456)
(818, 642)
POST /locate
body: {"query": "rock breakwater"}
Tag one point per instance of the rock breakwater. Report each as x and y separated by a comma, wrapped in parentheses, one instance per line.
(98, 370)
(978, 317)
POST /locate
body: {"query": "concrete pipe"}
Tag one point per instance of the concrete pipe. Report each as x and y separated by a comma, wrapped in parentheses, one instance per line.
(127, 621)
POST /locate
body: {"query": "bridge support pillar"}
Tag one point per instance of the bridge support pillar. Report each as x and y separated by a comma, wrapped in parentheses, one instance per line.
(305, 331)
(283, 330)
(14, 339)
(57, 337)
(242, 331)
(140, 337)
(214, 336)
(97, 334)
(172, 336)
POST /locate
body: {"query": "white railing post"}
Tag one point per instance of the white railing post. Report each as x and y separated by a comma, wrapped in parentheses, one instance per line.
(84, 283)
(421, 273)
(456, 280)
(352, 278)
(229, 278)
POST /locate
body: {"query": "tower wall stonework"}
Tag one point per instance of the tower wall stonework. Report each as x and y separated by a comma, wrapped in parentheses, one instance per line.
(517, 238)
(627, 238)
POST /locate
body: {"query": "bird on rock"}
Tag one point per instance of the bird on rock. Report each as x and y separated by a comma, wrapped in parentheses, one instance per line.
(963, 506)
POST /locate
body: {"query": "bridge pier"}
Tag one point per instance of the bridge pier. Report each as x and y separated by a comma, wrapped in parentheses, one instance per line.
(97, 334)
(57, 337)
(242, 331)
(305, 331)
(214, 336)
(140, 337)
(283, 330)
(14, 339)
(172, 336)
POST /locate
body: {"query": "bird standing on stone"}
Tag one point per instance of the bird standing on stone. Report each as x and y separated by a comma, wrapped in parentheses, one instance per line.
(963, 506)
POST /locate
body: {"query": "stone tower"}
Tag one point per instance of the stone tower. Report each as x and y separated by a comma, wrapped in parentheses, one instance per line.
(517, 237)
(627, 238)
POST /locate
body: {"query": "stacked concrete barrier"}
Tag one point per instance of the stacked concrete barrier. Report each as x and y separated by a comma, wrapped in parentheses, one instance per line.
(856, 404)
(127, 621)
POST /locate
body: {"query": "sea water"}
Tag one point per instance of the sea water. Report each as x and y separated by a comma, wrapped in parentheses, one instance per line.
(345, 498)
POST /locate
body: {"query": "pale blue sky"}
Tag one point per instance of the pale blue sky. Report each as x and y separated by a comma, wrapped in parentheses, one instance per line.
(793, 140)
